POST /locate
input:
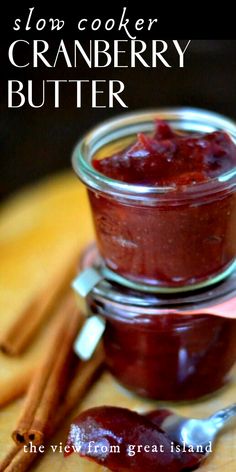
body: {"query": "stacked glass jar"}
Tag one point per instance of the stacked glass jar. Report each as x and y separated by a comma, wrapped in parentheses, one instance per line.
(164, 267)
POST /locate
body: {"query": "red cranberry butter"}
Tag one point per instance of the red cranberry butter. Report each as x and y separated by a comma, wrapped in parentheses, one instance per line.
(162, 192)
(171, 357)
(139, 442)
(171, 158)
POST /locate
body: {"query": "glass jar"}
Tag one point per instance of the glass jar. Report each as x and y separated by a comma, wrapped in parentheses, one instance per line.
(162, 346)
(161, 236)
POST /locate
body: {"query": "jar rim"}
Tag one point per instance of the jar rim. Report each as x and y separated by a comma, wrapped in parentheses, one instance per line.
(124, 125)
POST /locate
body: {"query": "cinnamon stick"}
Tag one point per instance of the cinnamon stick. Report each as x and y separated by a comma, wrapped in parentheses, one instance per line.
(46, 387)
(16, 387)
(84, 376)
(9, 458)
(17, 338)
(18, 460)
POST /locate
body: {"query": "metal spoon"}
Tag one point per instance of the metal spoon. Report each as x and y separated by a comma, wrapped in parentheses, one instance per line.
(197, 432)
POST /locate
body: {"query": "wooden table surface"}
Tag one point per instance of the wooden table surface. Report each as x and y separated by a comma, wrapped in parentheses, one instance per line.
(39, 228)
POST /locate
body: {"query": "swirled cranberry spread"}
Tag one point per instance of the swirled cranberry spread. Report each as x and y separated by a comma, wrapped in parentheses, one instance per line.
(170, 158)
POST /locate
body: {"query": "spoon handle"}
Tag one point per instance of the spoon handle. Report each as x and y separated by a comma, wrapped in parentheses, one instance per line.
(221, 417)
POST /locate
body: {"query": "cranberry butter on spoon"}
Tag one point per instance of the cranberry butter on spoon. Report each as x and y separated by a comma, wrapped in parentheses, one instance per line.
(124, 440)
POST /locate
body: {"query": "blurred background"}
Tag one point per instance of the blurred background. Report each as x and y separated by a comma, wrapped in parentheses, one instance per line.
(38, 142)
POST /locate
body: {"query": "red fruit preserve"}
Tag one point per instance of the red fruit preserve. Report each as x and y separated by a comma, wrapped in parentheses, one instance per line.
(124, 440)
(171, 158)
(171, 357)
(162, 192)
